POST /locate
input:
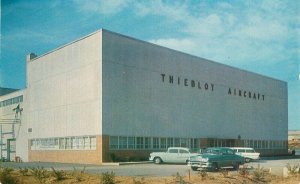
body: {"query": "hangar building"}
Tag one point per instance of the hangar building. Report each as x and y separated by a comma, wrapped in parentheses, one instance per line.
(108, 97)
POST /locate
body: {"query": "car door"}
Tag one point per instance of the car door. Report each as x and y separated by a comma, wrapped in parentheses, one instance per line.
(250, 153)
(227, 158)
(172, 155)
(183, 155)
(232, 158)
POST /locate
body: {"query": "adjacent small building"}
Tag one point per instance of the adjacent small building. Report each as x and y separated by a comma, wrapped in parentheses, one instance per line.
(11, 103)
(107, 97)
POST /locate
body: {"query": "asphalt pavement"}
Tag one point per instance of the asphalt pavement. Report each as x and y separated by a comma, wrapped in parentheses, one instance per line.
(275, 166)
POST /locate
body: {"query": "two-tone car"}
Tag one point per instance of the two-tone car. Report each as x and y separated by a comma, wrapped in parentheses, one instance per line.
(172, 155)
(215, 158)
(248, 153)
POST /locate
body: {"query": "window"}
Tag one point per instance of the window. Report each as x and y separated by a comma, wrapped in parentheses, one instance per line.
(183, 151)
(195, 143)
(155, 143)
(131, 142)
(125, 142)
(122, 142)
(87, 143)
(170, 142)
(74, 143)
(80, 143)
(250, 151)
(173, 150)
(251, 143)
(62, 143)
(21, 98)
(254, 144)
(163, 143)
(184, 142)
(114, 142)
(230, 152)
(241, 150)
(139, 142)
(68, 143)
(147, 142)
(263, 144)
(177, 142)
(259, 144)
(284, 144)
(93, 143)
(16, 100)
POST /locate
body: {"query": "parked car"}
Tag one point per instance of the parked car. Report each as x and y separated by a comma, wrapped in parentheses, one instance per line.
(215, 158)
(248, 153)
(172, 155)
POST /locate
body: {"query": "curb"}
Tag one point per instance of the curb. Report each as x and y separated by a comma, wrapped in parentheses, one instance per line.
(124, 163)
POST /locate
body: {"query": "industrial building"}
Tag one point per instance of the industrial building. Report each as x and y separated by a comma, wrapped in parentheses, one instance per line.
(107, 97)
(11, 102)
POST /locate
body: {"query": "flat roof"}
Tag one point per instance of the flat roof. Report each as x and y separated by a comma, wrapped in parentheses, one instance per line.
(132, 38)
(5, 91)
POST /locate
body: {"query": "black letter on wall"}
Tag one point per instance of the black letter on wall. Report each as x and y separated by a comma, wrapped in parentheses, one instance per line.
(171, 79)
(163, 77)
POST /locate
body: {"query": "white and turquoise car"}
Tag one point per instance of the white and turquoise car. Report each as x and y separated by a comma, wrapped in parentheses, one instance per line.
(215, 158)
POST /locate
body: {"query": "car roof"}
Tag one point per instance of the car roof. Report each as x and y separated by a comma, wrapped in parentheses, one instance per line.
(219, 148)
(178, 148)
(241, 148)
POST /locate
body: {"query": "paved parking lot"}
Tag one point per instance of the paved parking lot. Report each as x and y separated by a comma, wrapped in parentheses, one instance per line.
(276, 166)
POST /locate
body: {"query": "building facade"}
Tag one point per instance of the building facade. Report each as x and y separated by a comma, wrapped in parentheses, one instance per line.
(11, 106)
(110, 97)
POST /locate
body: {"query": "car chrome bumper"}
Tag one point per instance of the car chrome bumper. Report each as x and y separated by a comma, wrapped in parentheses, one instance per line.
(200, 164)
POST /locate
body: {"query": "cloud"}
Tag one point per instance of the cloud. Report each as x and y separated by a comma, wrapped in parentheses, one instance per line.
(245, 33)
(175, 11)
(101, 6)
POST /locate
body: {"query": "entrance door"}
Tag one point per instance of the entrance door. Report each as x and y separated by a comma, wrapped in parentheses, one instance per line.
(11, 149)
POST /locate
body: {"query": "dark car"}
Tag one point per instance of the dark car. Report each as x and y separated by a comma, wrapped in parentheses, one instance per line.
(215, 158)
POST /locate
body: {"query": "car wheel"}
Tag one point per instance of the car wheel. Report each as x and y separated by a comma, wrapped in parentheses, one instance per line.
(236, 166)
(194, 168)
(157, 160)
(247, 160)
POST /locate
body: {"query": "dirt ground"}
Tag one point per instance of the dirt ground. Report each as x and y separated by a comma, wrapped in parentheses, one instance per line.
(206, 178)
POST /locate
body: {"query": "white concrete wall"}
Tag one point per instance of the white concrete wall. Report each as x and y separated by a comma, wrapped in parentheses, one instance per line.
(136, 101)
(64, 90)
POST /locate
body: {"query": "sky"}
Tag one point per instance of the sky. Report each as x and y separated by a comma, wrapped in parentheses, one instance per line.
(261, 36)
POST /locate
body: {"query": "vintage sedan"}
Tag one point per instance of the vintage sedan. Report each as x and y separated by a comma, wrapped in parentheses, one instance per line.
(172, 155)
(215, 158)
(248, 153)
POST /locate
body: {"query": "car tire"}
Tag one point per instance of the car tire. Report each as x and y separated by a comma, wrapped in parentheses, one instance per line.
(247, 160)
(236, 166)
(194, 168)
(157, 160)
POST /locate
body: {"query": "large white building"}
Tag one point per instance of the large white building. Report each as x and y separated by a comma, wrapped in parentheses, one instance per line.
(110, 97)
